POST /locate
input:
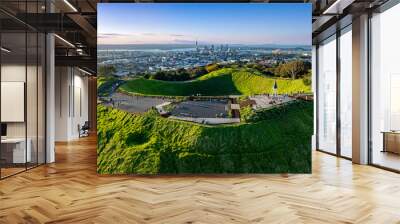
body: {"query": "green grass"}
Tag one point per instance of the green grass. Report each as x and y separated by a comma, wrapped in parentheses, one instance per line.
(226, 81)
(104, 84)
(149, 144)
(101, 80)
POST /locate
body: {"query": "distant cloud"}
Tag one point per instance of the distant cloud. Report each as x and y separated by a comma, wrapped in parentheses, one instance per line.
(177, 35)
(111, 35)
(144, 38)
(183, 41)
(149, 34)
(160, 34)
(117, 38)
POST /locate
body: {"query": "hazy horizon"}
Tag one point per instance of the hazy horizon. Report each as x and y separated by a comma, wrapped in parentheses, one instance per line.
(208, 44)
(207, 23)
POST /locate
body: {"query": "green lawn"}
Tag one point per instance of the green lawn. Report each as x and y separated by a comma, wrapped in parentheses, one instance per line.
(149, 144)
(226, 81)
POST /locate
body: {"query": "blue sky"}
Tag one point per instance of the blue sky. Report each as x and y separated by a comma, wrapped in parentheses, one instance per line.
(217, 23)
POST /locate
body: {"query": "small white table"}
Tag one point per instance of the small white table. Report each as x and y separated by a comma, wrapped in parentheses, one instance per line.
(19, 154)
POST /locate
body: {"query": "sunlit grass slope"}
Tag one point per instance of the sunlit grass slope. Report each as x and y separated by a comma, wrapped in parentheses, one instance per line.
(226, 81)
(149, 144)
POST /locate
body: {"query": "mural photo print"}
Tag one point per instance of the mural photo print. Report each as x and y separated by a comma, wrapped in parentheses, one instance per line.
(211, 88)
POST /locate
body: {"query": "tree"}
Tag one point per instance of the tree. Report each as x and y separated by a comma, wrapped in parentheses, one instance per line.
(294, 69)
(307, 65)
(212, 67)
(259, 67)
(106, 70)
(160, 75)
(280, 70)
(251, 65)
(269, 71)
(307, 78)
(196, 72)
(181, 75)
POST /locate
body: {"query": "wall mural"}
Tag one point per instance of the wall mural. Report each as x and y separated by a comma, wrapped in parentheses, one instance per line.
(204, 88)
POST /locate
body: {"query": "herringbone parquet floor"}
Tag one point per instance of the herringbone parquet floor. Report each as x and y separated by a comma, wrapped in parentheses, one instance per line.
(70, 191)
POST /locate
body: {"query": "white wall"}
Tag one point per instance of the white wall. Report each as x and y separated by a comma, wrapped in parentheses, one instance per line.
(10, 73)
(13, 101)
(33, 126)
(80, 109)
(71, 94)
(13, 72)
(62, 81)
(17, 73)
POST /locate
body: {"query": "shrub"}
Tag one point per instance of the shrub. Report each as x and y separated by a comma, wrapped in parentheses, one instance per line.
(212, 67)
(246, 113)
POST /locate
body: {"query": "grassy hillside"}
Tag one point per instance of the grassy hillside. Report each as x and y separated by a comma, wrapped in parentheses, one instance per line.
(101, 80)
(149, 144)
(226, 81)
(104, 84)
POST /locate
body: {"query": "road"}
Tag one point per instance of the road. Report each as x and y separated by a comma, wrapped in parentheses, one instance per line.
(135, 104)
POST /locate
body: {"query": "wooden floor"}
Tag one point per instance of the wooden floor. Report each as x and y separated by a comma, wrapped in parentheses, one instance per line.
(70, 191)
(5, 172)
(387, 159)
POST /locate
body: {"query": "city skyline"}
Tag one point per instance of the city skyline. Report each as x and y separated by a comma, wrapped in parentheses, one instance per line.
(285, 24)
